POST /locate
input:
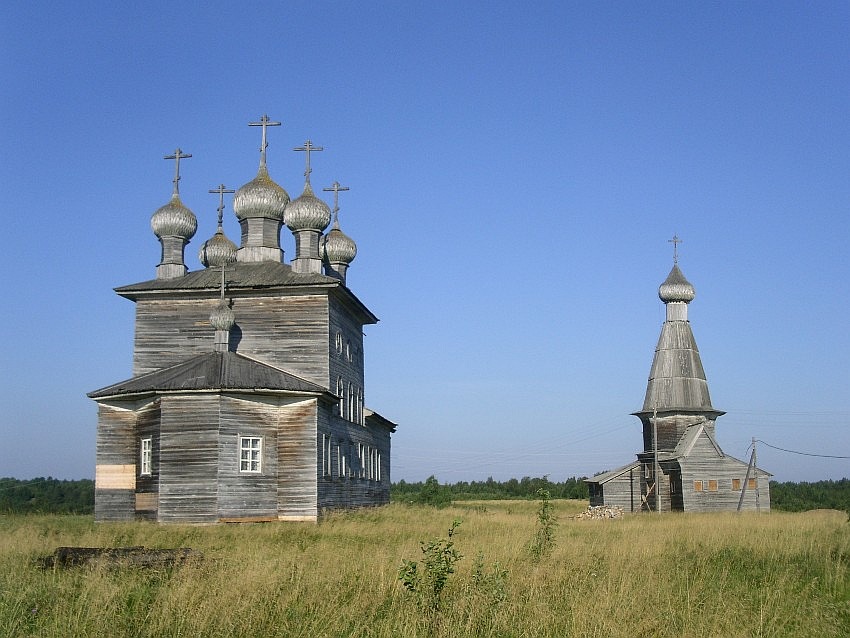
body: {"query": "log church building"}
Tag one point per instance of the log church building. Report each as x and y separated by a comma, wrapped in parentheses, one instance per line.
(247, 400)
(681, 467)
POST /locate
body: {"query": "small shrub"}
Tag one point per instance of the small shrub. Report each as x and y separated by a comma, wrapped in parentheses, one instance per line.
(439, 557)
(489, 584)
(543, 541)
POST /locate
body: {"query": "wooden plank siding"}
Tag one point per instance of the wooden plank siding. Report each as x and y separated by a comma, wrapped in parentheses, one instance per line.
(297, 452)
(244, 494)
(115, 499)
(287, 332)
(188, 487)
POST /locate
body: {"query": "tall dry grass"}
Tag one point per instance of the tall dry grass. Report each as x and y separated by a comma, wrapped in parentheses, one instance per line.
(647, 575)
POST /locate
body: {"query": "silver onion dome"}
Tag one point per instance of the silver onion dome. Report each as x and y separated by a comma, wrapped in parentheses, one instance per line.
(307, 212)
(217, 251)
(261, 197)
(174, 220)
(337, 247)
(676, 287)
(223, 317)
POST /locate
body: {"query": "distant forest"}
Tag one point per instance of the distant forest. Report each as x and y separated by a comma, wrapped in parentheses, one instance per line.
(54, 496)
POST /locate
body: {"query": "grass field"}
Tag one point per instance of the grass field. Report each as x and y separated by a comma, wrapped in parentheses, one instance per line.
(775, 574)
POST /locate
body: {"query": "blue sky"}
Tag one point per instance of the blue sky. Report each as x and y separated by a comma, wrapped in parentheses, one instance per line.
(515, 170)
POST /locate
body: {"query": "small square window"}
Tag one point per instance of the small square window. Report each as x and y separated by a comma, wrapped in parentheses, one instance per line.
(697, 486)
(712, 485)
(751, 484)
(736, 485)
(251, 454)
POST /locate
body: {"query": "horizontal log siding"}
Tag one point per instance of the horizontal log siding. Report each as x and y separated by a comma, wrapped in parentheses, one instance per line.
(342, 366)
(188, 458)
(288, 332)
(241, 494)
(703, 464)
(147, 425)
(297, 452)
(622, 491)
(115, 446)
(350, 491)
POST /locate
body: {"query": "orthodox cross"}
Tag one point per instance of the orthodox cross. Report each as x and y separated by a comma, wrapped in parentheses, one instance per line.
(308, 148)
(221, 190)
(264, 122)
(675, 241)
(336, 188)
(176, 156)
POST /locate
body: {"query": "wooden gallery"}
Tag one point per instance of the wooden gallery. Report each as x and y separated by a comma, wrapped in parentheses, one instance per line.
(247, 396)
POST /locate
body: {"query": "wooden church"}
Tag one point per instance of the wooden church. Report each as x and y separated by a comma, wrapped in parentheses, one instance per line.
(247, 396)
(681, 467)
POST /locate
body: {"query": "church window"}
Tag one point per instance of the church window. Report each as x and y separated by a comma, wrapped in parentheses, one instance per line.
(350, 403)
(348, 350)
(736, 485)
(146, 456)
(751, 484)
(712, 485)
(340, 392)
(251, 454)
(339, 343)
(326, 455)
(697, 486)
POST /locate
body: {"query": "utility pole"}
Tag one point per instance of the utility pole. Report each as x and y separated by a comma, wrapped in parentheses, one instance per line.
(656, 467)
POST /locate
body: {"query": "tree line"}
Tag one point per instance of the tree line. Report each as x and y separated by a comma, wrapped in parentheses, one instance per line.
(46, 496)
(53, 496)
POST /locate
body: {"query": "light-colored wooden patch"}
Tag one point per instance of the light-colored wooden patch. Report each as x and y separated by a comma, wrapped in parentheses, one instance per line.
(146, 501)
(115, 477)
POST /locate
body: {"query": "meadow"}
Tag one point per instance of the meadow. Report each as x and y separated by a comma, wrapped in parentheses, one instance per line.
(777, 574)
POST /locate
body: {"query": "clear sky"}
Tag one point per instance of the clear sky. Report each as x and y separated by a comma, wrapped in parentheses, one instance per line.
(516, 170)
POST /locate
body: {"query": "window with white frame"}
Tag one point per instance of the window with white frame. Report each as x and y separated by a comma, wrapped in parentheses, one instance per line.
(251, 454)
(146, 456)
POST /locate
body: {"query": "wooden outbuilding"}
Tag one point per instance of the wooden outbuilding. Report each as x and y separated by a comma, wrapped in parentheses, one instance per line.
(247, 400)
(679, 444)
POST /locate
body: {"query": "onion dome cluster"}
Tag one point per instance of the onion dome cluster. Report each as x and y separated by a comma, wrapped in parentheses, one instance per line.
(174, 220)
(261, 197)
(676, 287)
(307, 212)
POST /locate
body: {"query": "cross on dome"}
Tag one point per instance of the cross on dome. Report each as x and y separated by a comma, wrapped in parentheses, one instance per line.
(336, 188)
(265, 122)
(176, 156)
(675, 241)
(308, 148)
(221, 190)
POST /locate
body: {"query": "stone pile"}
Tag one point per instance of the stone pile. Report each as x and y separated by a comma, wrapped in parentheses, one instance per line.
(601, 512)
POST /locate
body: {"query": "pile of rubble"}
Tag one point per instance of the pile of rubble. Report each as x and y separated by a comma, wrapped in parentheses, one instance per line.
(601, 512)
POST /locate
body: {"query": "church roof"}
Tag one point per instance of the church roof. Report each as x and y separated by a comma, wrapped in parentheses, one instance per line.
(212, 371)
(604, 477)
(677, 379)
(244, 276)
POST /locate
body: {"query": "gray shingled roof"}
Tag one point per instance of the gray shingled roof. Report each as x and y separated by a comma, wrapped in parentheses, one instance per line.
(213, 371)
(265, 274)
(677, 379)
(246, 276)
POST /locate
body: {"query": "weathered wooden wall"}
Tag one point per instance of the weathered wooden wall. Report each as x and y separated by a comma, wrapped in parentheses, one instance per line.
(188, 458)
(287, 332)
(115, 472)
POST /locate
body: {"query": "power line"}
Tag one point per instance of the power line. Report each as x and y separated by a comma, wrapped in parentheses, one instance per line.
(824, 456)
